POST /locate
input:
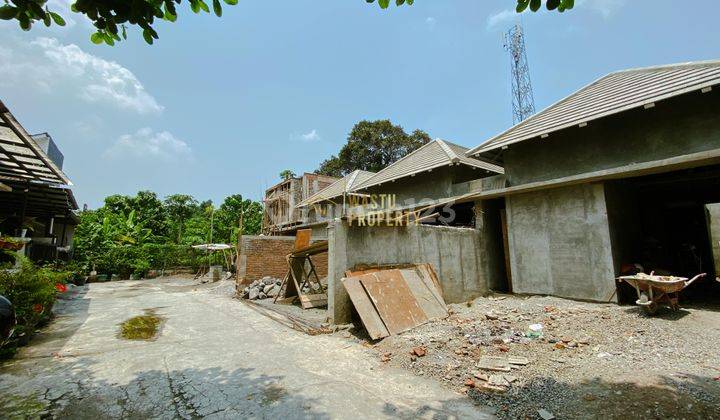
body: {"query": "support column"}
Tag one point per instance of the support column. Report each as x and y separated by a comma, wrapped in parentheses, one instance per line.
(339, 304)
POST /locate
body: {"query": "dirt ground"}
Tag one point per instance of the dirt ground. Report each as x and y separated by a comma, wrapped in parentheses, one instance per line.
(591, 361)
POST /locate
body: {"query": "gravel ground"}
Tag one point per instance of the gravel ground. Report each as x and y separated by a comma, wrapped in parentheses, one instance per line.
(591, 361)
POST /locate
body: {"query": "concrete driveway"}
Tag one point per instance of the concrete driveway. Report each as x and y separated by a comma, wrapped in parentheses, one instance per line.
(214, 357)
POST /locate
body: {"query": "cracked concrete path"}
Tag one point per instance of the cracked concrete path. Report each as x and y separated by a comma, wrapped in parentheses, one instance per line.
(214, 357)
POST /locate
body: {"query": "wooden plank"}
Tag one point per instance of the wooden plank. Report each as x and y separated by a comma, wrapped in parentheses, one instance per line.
(428, 275)
(426, 299)
(393, 300)
(302, 239)
(5, 188)
(313, 301)
(368, 314)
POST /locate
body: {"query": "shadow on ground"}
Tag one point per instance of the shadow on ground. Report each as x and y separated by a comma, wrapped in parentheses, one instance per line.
(161, 393)
(683, 396)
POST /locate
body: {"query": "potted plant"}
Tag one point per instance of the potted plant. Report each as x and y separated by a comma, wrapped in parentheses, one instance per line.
(10, 244)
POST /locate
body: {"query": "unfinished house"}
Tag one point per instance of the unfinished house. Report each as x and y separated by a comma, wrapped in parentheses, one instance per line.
(36, 202)
(265, 255)
(436, 176)
(331, 202)
(281, 215)
(624, 171)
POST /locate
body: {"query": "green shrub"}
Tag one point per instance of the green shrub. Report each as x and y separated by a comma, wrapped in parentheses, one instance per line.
(32, 292)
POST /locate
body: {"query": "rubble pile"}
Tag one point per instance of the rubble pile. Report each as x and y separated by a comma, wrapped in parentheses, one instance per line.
(266, 287)
(544, 357)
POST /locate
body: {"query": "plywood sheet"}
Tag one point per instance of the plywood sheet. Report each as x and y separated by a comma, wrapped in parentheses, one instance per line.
(302, 238)
(393, 300)
(365, 308)
(422, 291)
(429, 273)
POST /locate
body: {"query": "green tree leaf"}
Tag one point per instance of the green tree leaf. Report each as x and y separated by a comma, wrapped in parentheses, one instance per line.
(552, 4)
(522, 5)
(8, 12)
(148, 36)
(217, 8)
(57, 19)
(97, 38)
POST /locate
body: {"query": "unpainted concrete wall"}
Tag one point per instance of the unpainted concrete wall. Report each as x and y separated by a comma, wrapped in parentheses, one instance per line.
(713, 211)
(560, 243)
(675, 127)
(456, 255)
(433, 185)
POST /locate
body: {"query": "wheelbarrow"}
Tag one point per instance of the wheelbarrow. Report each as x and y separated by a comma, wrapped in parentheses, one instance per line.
(654, 290)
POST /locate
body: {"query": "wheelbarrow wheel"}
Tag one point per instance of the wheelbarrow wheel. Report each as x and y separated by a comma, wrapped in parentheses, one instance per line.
(647, 305)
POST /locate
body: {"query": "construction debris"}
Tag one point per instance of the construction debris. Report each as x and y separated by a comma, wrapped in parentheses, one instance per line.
(419, 351)
(532, 374)
(266, 287)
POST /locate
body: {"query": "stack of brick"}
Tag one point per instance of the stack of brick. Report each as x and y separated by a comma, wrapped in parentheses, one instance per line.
(265, 256)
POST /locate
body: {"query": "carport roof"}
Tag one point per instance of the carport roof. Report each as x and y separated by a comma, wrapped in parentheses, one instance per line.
(21, 159)
(435, 154)
(612, 94)
(38, 200)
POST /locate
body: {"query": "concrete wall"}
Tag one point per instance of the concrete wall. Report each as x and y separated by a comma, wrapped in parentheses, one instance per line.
(560, 243)
(265, 256)
(713, 211)
(427, 185)
(456, 254)
(675, 127)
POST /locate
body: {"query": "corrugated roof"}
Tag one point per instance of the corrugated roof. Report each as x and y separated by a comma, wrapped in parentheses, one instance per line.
(337, 188)
(21, 159)
(435, 154)
(612, 94)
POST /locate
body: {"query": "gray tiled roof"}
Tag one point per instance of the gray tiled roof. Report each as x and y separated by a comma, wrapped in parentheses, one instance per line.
(435, 154)
(337, 188)
(612, 94)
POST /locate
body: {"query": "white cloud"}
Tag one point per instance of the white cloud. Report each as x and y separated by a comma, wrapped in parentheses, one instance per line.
(501, 19)
(310, 136)
(50, 67)
(431, 22)
(606, 8)
(148, 144)
(504, 18)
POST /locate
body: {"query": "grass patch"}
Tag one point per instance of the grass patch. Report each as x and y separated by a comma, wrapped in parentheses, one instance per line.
(143, 327)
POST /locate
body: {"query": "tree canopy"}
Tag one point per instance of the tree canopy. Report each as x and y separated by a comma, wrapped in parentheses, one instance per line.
(130, 223)
(371, 146)
(111, 18)
(287, 174)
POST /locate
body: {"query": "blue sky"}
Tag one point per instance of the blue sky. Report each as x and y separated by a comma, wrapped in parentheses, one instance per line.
(221, 105)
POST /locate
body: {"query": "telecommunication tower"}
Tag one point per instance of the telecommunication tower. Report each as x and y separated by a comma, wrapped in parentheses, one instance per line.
(523, 102)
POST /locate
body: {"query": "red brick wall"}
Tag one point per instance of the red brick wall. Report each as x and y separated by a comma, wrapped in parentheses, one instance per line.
(262, 256)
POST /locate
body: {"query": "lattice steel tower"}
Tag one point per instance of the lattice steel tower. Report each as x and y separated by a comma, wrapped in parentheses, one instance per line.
(523, 102)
